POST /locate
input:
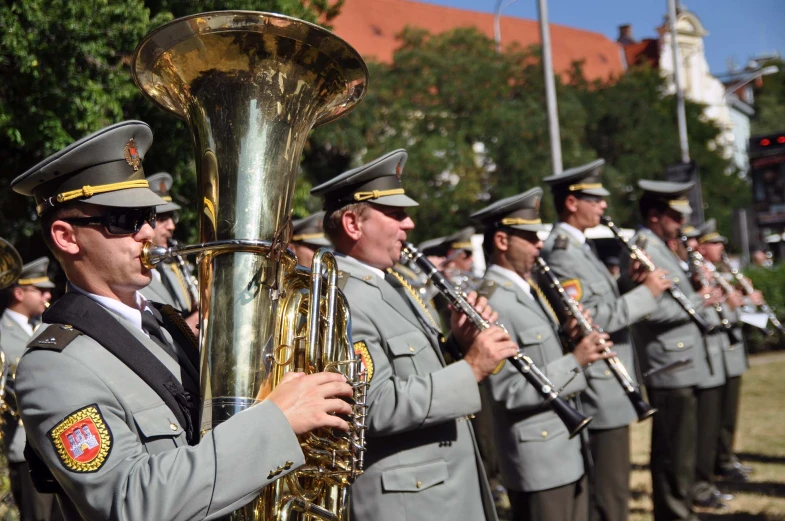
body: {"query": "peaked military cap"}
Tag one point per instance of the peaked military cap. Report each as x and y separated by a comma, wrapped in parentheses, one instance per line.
(433, 247)
(104, 168)
(310, 231)
(709, 234)
(690, 231)
(583, 179)
(36, 274)
(161, 184)
(460, 240)
(521, 212)
(376, 182)
(671, 193)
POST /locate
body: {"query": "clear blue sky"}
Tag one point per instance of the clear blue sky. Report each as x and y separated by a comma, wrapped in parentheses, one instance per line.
(738, 29)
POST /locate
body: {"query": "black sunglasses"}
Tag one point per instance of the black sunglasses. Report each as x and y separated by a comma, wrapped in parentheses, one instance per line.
(119, 221)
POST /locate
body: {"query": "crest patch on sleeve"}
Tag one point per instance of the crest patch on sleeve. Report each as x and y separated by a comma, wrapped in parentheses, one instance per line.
(361, 351)
(82, 440)
(573, 288)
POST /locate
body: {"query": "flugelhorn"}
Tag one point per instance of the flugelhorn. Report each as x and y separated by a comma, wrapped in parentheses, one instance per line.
(674, 291)
(695, 260)
(250, 87)
(749, 290)
(572, 419)
(571, 309)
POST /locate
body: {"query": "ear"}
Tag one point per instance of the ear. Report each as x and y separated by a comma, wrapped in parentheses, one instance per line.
(501, 241)
(64, 237)
(571, 203)
(352, 225)
(19, 293)
(653, 215)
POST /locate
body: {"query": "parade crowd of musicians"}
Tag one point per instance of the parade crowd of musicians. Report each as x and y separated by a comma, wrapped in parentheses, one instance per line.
(101, 404)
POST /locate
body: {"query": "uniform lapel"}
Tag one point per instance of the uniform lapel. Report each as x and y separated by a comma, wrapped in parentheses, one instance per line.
(520, 295)
(12, 328)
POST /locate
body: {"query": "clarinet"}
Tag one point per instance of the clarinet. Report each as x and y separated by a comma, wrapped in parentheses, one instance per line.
(190, 280)
(637, 254)
(643, 409)
(573, 420)
(748, 290)
(696, 268)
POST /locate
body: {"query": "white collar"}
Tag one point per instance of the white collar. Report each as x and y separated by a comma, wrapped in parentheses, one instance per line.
(575, 232)
(517, 279)
(376, 271)
(20, 319)
(132, 315)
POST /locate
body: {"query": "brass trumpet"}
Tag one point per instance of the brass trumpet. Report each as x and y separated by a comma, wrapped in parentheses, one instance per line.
(251, 86)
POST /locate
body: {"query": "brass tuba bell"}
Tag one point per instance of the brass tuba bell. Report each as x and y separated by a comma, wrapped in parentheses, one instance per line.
(251, 86)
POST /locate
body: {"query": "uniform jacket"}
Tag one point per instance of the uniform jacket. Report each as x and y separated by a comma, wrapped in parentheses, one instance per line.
(605, 398)
(149, 472)
(715, 345)
(535, 451)
(668, 334)
(422, 461)
(734, 356)
(13, 341)
(171, 289)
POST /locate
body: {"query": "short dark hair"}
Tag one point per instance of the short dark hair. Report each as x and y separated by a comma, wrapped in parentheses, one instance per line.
(559, 198)
(646, 204)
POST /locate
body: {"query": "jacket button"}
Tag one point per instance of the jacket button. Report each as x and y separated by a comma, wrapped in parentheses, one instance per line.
(544, 434)
(539, 336)
(607, 372)
(680, 345)
(419, 484)
(411, 349)
(173, 426)
(676, 279)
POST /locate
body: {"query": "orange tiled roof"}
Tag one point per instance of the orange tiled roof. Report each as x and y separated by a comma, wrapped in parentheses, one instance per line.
(645, 51)
(371, 25)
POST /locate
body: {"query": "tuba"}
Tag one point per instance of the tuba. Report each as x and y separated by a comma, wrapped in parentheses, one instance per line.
(250, 87)
(10, 271)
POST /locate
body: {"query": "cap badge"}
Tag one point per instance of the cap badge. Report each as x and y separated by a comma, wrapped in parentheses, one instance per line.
(132, 154)
(537, 203)
(398, 170)
(162, 187)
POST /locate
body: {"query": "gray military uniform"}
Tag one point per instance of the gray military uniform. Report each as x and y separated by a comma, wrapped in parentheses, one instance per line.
(170, 289)
(422, 460)
(13, 340)
(604, 399)
(536, 452)
(150, 472)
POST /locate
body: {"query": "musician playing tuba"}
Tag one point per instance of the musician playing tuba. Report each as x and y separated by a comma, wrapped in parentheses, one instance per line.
(579, 198)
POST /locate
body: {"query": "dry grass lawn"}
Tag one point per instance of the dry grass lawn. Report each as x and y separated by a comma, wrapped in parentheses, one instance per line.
(760, 443)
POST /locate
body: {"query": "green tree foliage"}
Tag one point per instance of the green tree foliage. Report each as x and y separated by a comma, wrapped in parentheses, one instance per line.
(770, 102)
(474, 124)
(65, 72)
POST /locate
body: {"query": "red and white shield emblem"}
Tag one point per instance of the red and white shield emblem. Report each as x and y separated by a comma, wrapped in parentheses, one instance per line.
(82, 440)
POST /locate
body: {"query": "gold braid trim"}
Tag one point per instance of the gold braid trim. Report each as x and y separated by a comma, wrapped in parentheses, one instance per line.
(307, 236)
(708, 237)
(544, 301)
(584, 186)
(415, 296)
(364, 196)
(511, 221)
(89, 191)
(36, 280)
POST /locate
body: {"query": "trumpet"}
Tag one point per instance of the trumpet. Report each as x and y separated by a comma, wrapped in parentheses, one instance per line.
(191, 284)
(638, 254)
(748, 290)
(696, 268)
(572, 419)
(643, 409)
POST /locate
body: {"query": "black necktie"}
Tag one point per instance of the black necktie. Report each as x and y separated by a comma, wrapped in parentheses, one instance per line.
(151, 326)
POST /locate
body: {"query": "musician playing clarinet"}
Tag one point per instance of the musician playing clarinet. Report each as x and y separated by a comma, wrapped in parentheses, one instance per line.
(541, 466)
(579, 198)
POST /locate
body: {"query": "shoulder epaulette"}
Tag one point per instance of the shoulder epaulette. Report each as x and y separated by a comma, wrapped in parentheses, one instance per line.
(487, 288)
(561, 242)
(55, 337)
